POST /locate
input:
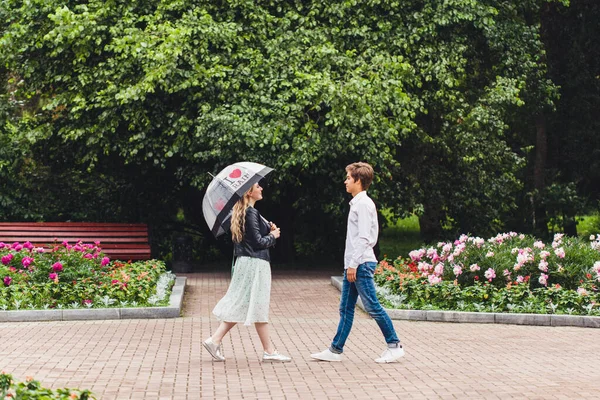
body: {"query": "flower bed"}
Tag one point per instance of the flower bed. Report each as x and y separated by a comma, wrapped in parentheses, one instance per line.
(33, 390)
(75, 276)
(507, 273)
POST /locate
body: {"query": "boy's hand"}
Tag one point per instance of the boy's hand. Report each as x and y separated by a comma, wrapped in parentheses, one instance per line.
(351, 274)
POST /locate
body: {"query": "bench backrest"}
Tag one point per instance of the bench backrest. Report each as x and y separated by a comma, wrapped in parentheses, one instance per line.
(118, 241)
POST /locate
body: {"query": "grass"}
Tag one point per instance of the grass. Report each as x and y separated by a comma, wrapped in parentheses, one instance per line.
(400, 237)
(588, 225)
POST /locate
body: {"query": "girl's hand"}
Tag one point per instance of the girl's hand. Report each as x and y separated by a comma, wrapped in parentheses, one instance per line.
(273, 226)
(275, 232)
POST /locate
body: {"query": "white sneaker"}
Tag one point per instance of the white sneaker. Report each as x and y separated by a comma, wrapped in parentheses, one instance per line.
(213, 349)
(327, 355)
(390, 355)
(275, 357)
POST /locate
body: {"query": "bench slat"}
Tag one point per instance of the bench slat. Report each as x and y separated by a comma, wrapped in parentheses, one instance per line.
(118, 241)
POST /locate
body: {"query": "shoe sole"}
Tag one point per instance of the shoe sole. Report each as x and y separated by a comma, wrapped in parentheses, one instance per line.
(389, 361)
(214, 355)
(276, 361)
(323, 359)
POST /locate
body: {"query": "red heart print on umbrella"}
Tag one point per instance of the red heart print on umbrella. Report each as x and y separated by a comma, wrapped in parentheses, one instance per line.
(236, 173)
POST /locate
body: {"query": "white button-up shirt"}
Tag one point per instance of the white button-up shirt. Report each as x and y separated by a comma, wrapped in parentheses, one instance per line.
(362, 232)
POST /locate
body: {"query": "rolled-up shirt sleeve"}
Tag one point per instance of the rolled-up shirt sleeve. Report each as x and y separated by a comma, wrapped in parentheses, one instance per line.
(363, 241)
(363, 230)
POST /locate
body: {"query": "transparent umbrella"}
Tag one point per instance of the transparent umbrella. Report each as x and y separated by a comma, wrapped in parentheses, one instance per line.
(226, 189)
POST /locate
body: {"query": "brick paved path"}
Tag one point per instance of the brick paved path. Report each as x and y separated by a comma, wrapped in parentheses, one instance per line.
(164, 359)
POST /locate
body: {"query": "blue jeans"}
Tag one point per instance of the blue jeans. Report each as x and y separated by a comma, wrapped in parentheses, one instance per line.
(364, 286)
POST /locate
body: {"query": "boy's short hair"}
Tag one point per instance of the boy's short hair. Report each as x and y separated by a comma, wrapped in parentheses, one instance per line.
(363, 172)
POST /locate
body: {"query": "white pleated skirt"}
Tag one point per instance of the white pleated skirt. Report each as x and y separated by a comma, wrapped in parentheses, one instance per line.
(249, 293)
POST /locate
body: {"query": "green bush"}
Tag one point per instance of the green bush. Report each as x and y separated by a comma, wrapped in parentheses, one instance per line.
(506, 273)
(33, 390)
(78, 275)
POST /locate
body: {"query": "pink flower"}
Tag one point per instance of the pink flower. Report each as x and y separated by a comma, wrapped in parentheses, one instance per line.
(87, 301)
(520, 279)
(539, 244)
(581, 291)
(18, 247)
(7, 280)
(26, 261)
(434, 279)
(28, 245)
(474, 267)
(543, 266)
(88, 256)
(7, 259)
(52, 276)
(560, 252)
(490, 274)
(105, 261)
(114, 282)
(543, 279)
(57, 267)
(3, 245)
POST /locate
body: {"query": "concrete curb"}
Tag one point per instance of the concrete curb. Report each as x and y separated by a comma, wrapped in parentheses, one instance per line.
(173, 310)
(484, 318)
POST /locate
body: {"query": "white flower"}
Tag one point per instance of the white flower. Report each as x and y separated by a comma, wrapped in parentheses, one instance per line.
(592, 237)
(490, 254)
(457, 270)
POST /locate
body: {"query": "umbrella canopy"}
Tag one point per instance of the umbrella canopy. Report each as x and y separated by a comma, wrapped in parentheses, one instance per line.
(226, 189)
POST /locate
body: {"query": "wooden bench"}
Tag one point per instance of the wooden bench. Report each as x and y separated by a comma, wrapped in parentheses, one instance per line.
(118, 241)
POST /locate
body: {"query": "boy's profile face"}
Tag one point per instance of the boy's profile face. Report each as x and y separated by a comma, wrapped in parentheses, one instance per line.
(353, 187)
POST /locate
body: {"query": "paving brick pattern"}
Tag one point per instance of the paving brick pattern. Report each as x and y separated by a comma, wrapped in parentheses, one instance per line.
(164, 358)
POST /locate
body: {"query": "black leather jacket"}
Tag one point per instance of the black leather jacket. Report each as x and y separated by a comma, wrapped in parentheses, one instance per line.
(256, 241)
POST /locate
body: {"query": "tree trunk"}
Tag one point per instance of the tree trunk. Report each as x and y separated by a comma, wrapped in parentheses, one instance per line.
(430, 223)
(569, 225)
(540, 223)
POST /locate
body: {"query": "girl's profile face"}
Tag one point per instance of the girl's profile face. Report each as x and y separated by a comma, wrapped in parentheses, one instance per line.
(256, 192)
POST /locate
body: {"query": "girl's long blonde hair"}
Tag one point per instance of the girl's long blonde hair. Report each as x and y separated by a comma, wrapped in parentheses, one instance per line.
(238, 217)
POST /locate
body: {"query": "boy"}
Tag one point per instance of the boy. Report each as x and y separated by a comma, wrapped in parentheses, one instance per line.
(359, 266)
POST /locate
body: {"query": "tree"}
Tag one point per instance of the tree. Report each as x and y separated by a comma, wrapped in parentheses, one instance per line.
(156, 94)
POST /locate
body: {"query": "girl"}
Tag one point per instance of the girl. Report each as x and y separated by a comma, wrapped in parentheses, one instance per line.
(248, 296)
